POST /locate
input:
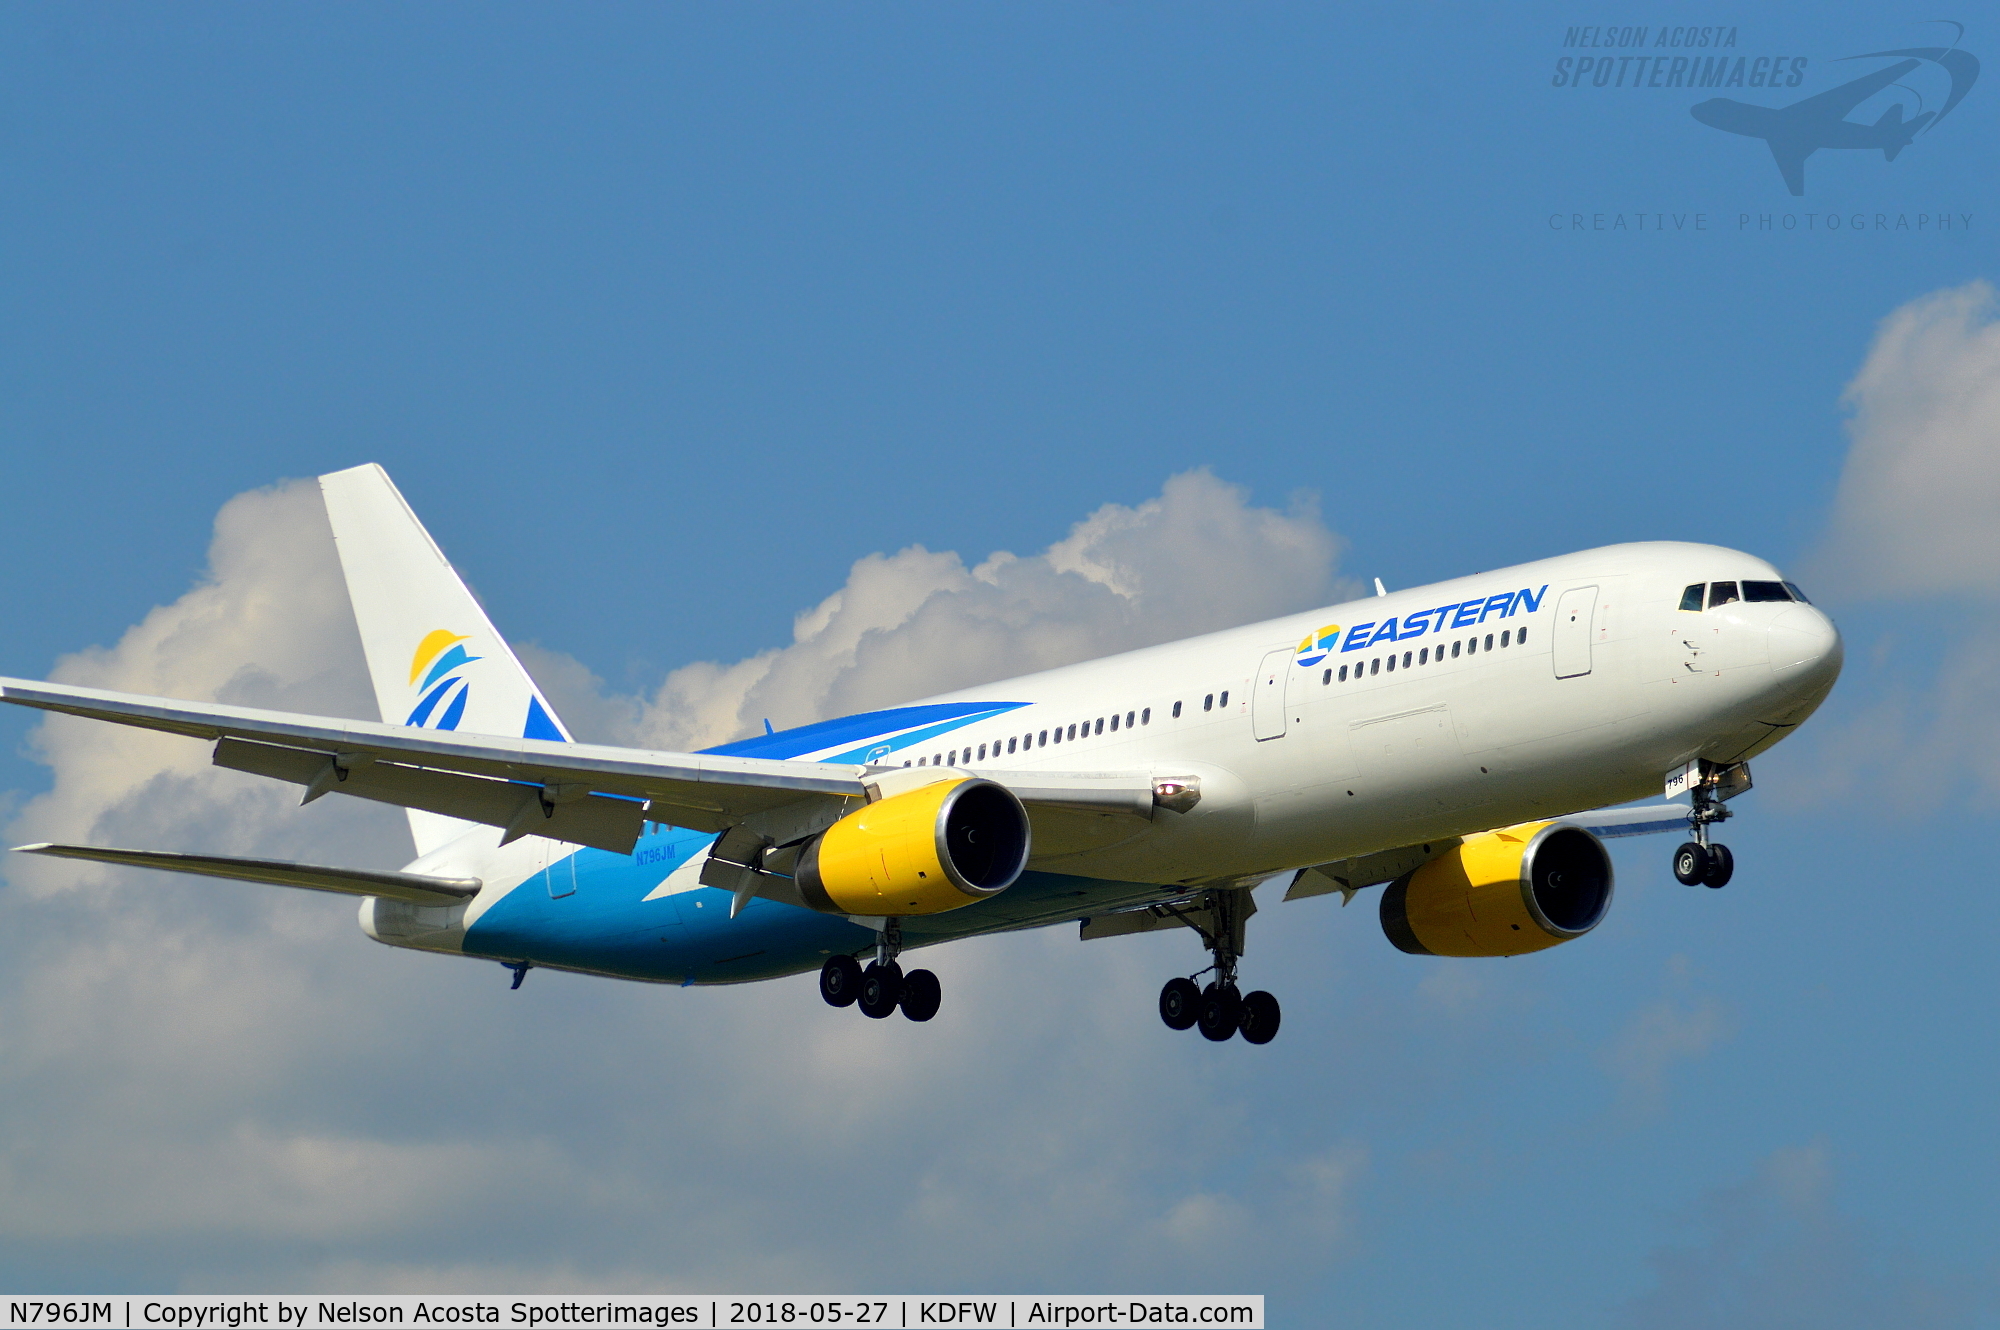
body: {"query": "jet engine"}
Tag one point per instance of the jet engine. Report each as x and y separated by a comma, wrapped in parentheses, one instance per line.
(1502, 893)
(924, 851)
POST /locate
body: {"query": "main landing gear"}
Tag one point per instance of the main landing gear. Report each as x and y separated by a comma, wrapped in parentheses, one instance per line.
(1220, 1010)
(1702, 862)
(881, 987)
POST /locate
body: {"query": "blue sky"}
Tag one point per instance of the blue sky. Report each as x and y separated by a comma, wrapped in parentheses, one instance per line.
(664, 317)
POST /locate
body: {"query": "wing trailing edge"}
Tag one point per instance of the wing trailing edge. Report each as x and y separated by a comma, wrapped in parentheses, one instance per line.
(416, 888)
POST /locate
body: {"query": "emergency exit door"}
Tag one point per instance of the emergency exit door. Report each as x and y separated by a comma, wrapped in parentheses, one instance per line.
(1267, 695)
(1575, 616)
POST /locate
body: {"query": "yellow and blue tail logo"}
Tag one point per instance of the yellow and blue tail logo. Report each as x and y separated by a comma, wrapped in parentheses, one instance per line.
(437, 661)
(1314, 646)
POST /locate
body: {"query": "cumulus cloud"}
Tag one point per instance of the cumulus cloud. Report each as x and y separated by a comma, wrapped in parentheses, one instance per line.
(1914, 513)
(225, 1086)
(1196, 559)
(1775, 1251)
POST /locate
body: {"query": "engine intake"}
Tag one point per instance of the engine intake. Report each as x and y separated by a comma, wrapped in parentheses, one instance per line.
(924, 851)
(1502, 893)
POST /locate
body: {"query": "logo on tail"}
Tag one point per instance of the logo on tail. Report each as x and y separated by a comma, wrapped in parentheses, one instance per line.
(437, 661)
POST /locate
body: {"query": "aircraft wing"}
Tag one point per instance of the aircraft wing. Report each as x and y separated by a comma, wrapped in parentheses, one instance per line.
(585, 794)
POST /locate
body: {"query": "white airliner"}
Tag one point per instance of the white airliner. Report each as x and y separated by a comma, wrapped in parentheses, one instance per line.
(1448, 741)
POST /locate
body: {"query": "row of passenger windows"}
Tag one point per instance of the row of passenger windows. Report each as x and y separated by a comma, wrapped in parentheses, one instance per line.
(1022, 743)
(1725, 593)
(1427, 655)
(1084, 729)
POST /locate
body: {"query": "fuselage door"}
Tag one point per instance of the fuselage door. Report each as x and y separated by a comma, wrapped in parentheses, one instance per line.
(1573, 631)
(1267, 700)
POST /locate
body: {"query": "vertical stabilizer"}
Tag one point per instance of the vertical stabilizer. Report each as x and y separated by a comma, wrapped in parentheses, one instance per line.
(435, 658)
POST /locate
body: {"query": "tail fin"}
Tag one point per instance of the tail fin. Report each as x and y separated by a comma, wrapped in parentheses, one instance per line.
(435, 658)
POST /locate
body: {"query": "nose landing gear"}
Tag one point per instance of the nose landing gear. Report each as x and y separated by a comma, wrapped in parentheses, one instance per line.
(1702, 862)
(1219, 1009)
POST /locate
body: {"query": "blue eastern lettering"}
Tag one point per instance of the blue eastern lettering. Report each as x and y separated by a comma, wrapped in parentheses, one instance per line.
(1533, 602)
(1357, 637)
(1503, 602)
(1464, 617)
(1386, 633)
(1416, 625)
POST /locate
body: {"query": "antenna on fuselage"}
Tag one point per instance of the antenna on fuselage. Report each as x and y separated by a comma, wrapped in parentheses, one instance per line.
(1380, 590)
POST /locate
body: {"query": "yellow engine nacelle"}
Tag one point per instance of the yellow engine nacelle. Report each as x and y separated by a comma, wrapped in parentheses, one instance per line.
(924, 851)
(1502, 893)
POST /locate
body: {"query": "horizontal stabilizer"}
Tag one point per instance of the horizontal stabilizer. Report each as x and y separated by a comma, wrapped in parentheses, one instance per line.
(416, 888)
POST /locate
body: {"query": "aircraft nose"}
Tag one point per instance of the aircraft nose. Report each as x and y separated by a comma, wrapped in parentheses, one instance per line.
(1805, 647)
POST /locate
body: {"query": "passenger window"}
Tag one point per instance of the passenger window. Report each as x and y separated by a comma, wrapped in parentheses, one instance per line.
(1764, 591)
(1343, 674)
(1208, 702)
(1010, 747)
(1406, 660)
(1326, 676)
(1177, 711)
(1128, 719)
(1042, 739)
(1114, 724)
(1375, 666)
(1145, 717)
(1392, 664)
(1225, 698)
(1454, 651)
(1797, 594)
(1520, 637)
(1721, 593)
(1489, 642)
(1100, 726)
(982, 752)
(1424, 656)
(951, 758)
(1471, 645)
(1691, 598)
(923, 761)
(1072, 732)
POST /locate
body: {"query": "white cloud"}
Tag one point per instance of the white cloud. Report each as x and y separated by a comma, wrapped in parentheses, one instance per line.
(1196, 559)
(1914, 514)
(1678, 1027)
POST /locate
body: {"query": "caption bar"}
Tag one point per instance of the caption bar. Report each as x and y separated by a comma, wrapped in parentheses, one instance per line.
(707, 1311)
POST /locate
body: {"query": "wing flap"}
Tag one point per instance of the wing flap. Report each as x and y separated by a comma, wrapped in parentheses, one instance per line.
(416, 888)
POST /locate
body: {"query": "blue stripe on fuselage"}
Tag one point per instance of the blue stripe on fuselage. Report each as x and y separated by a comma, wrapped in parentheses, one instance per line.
(858, 729)
(607, 925)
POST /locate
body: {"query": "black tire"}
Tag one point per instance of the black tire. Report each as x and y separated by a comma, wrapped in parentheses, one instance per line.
(1258, 1019)
(1690, 864)
(1721, 867)
(1180, 1003)
(840, 981)
(1219, 1009)
(881, 990)
(921, 995)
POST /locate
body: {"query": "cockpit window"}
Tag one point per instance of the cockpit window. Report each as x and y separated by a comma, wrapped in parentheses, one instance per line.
(1797, 594)
(1756, 591)
(1721, 593)
(1691, 598)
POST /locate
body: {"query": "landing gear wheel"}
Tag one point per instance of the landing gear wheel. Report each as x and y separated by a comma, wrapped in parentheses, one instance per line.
(840, 981)
(921, 995)
(1721, 866)
(1219, 1010)
(1258, 1019)
(881, 989)
(1180, 1003)
(1691, 864)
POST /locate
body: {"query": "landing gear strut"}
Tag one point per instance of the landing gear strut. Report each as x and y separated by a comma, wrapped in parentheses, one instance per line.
(882, 987)
(1702, 862)
(1219, 1009)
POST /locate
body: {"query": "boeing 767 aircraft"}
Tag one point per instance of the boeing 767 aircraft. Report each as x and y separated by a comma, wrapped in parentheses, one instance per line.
(1447, 743)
